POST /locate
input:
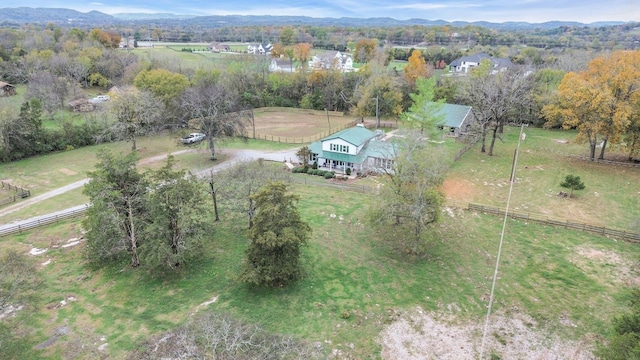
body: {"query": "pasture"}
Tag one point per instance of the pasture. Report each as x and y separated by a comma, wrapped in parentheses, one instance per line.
(557, 291)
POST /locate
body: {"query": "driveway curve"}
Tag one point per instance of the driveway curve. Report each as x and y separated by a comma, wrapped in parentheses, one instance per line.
(234, 157)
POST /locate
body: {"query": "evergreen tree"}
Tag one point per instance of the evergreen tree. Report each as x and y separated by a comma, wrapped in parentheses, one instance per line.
(572, 182)
(277, 236)
(180, 213)
(117, 217)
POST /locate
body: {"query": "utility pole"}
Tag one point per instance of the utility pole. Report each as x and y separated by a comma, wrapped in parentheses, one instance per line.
(329, 122)
(377, 114)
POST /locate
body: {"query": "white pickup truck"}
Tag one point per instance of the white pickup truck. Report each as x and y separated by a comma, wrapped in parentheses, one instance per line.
(193, 138)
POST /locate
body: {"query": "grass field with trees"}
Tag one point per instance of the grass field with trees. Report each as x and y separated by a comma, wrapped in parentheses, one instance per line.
(355, 284)
(357, 292)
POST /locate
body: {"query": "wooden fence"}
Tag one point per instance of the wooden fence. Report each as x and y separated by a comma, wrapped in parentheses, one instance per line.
(301, 140)
(313, 180)
(42, 221)
(8, 200)
(23, 193)
(545, 220)
(466, 148)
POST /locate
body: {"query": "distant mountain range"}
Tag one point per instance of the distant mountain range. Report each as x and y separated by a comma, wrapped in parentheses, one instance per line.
(67, 17)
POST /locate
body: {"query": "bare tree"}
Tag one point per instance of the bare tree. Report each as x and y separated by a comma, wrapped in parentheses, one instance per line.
(215, 111)
(215, 336)
(411, 204)
(50, 89)
(496, 98)
(137, 113)
(244, 180)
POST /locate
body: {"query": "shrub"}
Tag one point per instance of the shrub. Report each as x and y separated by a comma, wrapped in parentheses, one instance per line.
(321, 172)
(329, 174)
(348, 171)
(315, 164)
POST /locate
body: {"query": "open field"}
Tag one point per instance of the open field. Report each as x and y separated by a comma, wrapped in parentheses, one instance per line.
(557, 290)
(611, 197)
(563, 284)
(297, 123)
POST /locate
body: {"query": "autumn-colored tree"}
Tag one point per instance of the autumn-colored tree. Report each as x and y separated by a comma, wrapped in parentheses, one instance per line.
(632, 139)
(416, 68)
(365, 50)
(380, 96)
(302, 52)
(107, 38)
(277, 50)
(601, 101)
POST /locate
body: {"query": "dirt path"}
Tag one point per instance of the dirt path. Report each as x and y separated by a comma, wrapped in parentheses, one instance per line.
(234, 156)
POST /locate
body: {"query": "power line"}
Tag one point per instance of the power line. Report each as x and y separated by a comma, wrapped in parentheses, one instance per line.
(504, 225)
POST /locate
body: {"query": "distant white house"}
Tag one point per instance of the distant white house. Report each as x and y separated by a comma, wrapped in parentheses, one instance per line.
(356, 148)
(332, 60)
(259, 49)
(281, 65)
(144, 44)
(464, 64)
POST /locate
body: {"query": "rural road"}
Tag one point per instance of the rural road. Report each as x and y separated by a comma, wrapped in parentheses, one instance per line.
(234, 157)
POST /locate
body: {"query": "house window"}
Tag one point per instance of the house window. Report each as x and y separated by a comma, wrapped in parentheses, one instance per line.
(340, 148)
(384, 163)
(313, 157)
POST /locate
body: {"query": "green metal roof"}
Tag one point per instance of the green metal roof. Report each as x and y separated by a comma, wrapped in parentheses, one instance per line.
(452, 114)
(356, 135)
(375, 149)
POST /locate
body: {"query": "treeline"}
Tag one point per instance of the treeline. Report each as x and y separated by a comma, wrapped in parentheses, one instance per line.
(338, 37)
(156, 90)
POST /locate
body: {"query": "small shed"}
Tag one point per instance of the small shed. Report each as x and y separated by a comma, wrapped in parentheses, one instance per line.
(81, 105)
(457, 118)
(7, 89)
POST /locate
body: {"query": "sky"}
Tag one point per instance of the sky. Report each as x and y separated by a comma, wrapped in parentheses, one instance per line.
(532, 11)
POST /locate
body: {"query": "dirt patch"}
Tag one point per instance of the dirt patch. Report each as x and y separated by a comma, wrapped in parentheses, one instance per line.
(458, 189)
(606, 263)
(421, 335)
(67, 171)
(296, 123)
(561, 141)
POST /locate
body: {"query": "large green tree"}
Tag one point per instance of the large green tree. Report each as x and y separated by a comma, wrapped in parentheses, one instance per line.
(278, 234)
(180, 217)
(424, 111)
(163, 83)
(624, 342)
(117, 216)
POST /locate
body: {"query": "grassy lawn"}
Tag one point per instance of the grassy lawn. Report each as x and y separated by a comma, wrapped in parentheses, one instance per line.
(570, 283)
(611, 197)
